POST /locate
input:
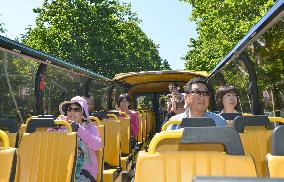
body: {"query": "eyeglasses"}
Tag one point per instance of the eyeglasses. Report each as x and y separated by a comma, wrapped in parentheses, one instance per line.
(199, 92)
(75, 109)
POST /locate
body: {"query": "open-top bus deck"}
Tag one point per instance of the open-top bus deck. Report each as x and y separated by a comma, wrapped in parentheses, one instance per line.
(33, 84)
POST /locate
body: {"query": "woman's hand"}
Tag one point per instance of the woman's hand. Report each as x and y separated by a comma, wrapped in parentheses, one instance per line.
(75, 126)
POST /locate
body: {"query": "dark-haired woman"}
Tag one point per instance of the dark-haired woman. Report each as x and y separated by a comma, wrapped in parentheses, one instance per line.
(124, 102)
(227, 99)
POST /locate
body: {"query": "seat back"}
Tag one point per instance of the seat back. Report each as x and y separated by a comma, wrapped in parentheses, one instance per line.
(100, 153)
(47, 156)
(8, 159)
(140, 132)
(125, 135)
(144, 123)
(255, 141)
(148, 122)
(183, 165)
(11, 128)
(154, 121)
(203, 136)
(275, 159)
(112, 150)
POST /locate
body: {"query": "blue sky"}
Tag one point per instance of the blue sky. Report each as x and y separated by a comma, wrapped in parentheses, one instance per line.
(164, 21)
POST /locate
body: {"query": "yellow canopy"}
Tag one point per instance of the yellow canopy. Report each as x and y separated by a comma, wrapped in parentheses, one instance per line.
(156, 81)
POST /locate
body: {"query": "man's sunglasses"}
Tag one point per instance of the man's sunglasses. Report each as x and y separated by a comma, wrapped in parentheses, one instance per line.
(75, 109)
(199, 92)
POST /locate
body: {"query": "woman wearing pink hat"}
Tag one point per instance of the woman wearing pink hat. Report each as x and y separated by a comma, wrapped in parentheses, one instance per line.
(89, 140)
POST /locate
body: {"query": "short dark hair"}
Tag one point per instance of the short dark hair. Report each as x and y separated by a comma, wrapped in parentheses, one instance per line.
(123, 96)
(220, 94)
(173, 84)
(188, 86)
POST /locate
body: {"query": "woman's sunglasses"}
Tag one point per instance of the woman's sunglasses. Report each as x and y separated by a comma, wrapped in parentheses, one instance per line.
(75, 109)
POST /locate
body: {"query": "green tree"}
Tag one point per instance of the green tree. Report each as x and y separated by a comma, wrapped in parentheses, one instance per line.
(220, 25)
(165, 65)
(2, 29)
(102, 36)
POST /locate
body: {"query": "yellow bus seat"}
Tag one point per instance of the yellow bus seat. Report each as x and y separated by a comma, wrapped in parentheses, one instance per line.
(153, 118)
(112, 141)
(140, 132)
(275, 159)
(255, 139)
(126, 153)
(23, 127)
(112, 152)
(10, 126)
(8, 158)
(100, 153)
(144, 125)
(47, 156)
(183, 165)
(149, 123)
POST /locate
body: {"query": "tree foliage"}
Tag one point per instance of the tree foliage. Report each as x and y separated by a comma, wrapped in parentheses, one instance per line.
(102, 36)
(2, 29)
(220, 25)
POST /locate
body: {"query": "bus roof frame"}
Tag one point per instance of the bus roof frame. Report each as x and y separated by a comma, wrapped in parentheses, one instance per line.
(268, 20)
(44, 58)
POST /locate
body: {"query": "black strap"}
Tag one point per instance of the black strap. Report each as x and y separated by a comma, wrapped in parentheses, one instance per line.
(86, 173)
(230, 116)
(196, 122)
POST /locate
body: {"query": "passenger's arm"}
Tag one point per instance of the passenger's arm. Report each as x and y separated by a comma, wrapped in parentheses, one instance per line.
(90, 136)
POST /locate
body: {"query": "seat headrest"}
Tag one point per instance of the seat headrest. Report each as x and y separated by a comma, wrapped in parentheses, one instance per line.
(197, 122)
(277, 144)
(241, 122)
(40, 123)
(100, 115)
(222, 135)
(9, 125)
